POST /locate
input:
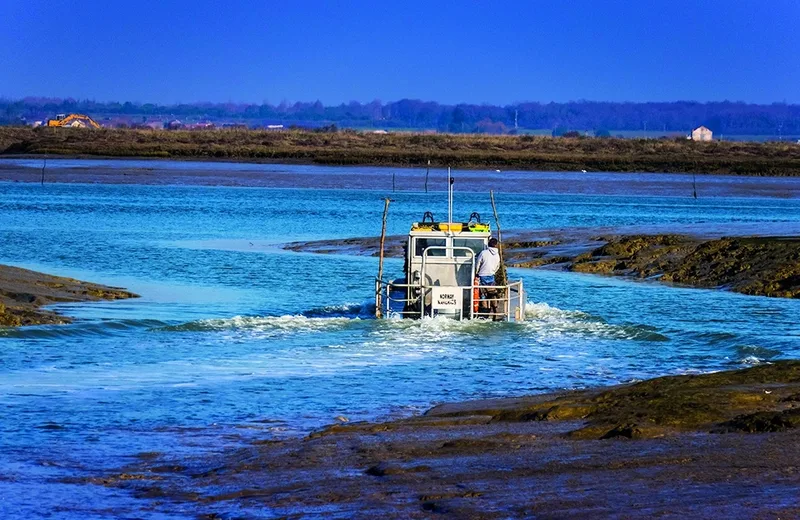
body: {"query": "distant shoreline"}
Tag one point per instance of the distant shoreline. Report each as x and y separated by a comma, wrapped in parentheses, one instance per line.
(465, 151)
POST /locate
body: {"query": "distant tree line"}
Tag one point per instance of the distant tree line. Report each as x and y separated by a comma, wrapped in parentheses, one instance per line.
(601, 118)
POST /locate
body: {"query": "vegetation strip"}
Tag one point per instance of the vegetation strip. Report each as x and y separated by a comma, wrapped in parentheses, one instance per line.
(408, 149)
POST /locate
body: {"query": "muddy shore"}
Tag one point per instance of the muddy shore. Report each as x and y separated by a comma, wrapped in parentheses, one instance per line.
(755, 265)
(701, 446)
(23, 293)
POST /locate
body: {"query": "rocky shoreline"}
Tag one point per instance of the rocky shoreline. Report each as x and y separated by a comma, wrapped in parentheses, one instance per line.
(755, 265)
(24, 292)
(701, 446)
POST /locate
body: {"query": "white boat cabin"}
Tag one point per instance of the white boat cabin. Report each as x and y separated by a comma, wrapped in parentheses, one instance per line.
(439, 276)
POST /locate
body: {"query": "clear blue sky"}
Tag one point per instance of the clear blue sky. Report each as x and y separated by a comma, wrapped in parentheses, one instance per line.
(495, 52)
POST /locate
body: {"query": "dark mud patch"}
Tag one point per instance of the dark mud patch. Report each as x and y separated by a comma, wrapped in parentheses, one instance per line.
(764, 266)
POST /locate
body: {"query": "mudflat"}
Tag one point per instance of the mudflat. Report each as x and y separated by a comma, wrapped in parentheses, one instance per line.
(702, 446)
(24, 292)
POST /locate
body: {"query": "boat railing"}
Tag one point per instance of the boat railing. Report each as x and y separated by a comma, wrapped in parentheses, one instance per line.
(509, 299)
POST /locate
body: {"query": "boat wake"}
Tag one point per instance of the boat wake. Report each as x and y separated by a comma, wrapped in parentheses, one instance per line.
(348, 310)
(549, 321)
(541, 321)
(277, 324)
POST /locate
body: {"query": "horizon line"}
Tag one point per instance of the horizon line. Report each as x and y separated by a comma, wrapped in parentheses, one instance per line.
(12, 99)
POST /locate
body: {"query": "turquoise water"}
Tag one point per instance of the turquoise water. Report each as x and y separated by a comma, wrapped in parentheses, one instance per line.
(235, 339)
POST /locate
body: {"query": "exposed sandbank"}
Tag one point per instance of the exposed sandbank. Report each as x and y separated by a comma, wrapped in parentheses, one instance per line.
(24, 292)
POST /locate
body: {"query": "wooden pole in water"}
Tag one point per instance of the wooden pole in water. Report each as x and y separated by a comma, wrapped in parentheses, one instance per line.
(379, 283)
(44, 165)
(502, 271)
(427, 172)
(393, 174)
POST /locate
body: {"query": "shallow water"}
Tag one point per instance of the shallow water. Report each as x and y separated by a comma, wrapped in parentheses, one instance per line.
(236, 339)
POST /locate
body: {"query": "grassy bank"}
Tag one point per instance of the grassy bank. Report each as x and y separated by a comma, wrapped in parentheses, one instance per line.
(462, 151)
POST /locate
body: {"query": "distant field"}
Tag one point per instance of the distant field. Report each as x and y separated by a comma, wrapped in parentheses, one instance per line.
(526, 152)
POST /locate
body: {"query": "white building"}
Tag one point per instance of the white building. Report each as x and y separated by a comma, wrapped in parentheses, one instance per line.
(701, 133)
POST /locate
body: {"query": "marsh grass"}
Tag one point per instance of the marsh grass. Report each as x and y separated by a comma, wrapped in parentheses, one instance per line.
(407, 149)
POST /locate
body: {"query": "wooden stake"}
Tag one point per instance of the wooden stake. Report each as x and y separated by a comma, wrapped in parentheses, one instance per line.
(379, 284)
(502, 271)
(44, 165)
(427, 172)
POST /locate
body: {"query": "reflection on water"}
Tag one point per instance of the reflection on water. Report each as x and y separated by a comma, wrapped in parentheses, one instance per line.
(232, 341)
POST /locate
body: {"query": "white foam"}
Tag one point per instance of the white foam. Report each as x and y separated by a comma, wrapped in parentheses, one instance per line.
(266, 323)
(547, 321)
(542, 321)
(751, 360)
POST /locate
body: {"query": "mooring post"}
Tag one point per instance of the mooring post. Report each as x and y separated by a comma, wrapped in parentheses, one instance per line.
(427, 172)
(44, 165)
(379, 282)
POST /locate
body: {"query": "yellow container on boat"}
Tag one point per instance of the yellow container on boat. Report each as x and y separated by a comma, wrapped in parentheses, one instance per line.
(416, 226)
(455, 227)
(477, 227)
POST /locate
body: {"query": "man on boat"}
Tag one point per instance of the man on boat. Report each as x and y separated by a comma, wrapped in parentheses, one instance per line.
(485, 268)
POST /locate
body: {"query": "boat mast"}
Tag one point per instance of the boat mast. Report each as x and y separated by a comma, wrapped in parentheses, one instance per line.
(450, 181)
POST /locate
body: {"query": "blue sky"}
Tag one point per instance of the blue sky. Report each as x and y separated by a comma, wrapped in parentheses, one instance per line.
(448, 51)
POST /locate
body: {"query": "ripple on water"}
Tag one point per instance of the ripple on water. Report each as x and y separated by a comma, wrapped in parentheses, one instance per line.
(81, 329)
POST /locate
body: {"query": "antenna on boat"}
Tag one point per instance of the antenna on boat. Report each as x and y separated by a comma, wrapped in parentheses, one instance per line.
(427, 172)
(450, 182)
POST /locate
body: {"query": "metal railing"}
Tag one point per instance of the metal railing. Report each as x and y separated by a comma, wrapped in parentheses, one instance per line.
(509, 299)
(383, 291)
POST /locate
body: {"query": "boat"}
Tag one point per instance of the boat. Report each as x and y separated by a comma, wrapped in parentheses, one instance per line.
(439, 275)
